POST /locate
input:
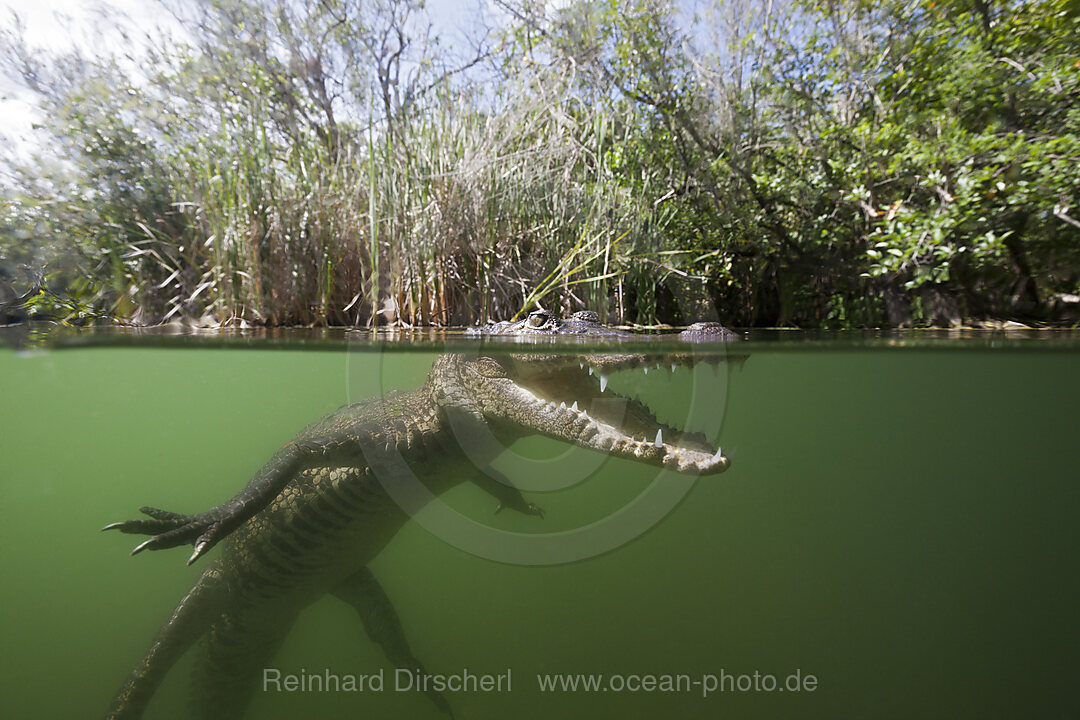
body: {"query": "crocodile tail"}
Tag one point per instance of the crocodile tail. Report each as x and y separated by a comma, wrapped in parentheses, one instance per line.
(188, 622)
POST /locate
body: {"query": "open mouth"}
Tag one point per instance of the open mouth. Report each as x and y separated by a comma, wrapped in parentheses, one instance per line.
(573, 398)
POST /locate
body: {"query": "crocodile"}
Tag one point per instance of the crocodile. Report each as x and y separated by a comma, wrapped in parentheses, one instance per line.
(311, 520)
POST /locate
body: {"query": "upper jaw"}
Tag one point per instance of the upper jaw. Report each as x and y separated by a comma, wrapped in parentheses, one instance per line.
(575, 405)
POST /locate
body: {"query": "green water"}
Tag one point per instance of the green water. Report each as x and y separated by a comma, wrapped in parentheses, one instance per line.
(901, 524)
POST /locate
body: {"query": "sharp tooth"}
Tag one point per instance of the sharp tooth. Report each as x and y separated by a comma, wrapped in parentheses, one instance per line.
(646, 369)
(590, 370)
(672, 367)
(603, 382)
(719, 454)
(574, 406)
(581, 365)
(659, 442)
(562, 406)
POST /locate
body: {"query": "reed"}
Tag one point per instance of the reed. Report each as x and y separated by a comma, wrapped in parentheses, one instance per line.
(452, 216)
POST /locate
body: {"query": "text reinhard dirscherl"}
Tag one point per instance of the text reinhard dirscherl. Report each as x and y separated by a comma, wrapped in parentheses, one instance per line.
(407, 680)
(404, 680)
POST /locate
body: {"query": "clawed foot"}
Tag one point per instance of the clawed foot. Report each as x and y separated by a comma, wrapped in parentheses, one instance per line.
(527, 508)
(169, 529)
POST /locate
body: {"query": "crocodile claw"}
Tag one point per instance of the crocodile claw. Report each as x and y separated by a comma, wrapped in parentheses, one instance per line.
(169, 529)
(527, 509)
(143, 545)
(200, 549)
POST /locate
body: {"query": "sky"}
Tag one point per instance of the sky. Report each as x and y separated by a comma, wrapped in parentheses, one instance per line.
(57, 25)
(61, 24)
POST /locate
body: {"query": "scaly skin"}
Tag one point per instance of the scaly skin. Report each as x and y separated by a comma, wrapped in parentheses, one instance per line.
(316, 514)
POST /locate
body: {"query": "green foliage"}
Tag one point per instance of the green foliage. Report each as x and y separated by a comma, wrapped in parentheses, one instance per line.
(854, 162)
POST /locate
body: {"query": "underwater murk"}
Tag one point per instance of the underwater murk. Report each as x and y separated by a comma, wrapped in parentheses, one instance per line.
(896, 536)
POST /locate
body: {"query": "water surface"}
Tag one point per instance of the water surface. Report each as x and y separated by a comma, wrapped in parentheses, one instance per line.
(899, 522)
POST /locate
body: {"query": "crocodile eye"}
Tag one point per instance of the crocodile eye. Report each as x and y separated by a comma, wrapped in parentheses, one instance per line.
(487, 367)
(539, 319)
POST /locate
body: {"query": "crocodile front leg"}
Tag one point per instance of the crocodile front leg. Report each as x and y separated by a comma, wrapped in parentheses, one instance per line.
(205, 529)
(363, 591)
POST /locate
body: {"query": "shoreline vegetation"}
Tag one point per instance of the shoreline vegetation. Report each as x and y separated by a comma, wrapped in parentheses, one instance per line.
(797, 163)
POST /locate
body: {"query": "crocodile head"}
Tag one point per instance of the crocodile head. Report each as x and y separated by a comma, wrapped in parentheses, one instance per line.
(566, 396)
(587, 323)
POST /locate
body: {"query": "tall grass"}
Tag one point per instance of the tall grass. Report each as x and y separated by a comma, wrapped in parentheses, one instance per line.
(453, 216)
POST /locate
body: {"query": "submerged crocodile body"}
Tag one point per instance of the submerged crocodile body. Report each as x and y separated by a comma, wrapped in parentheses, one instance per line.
(316, 514)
